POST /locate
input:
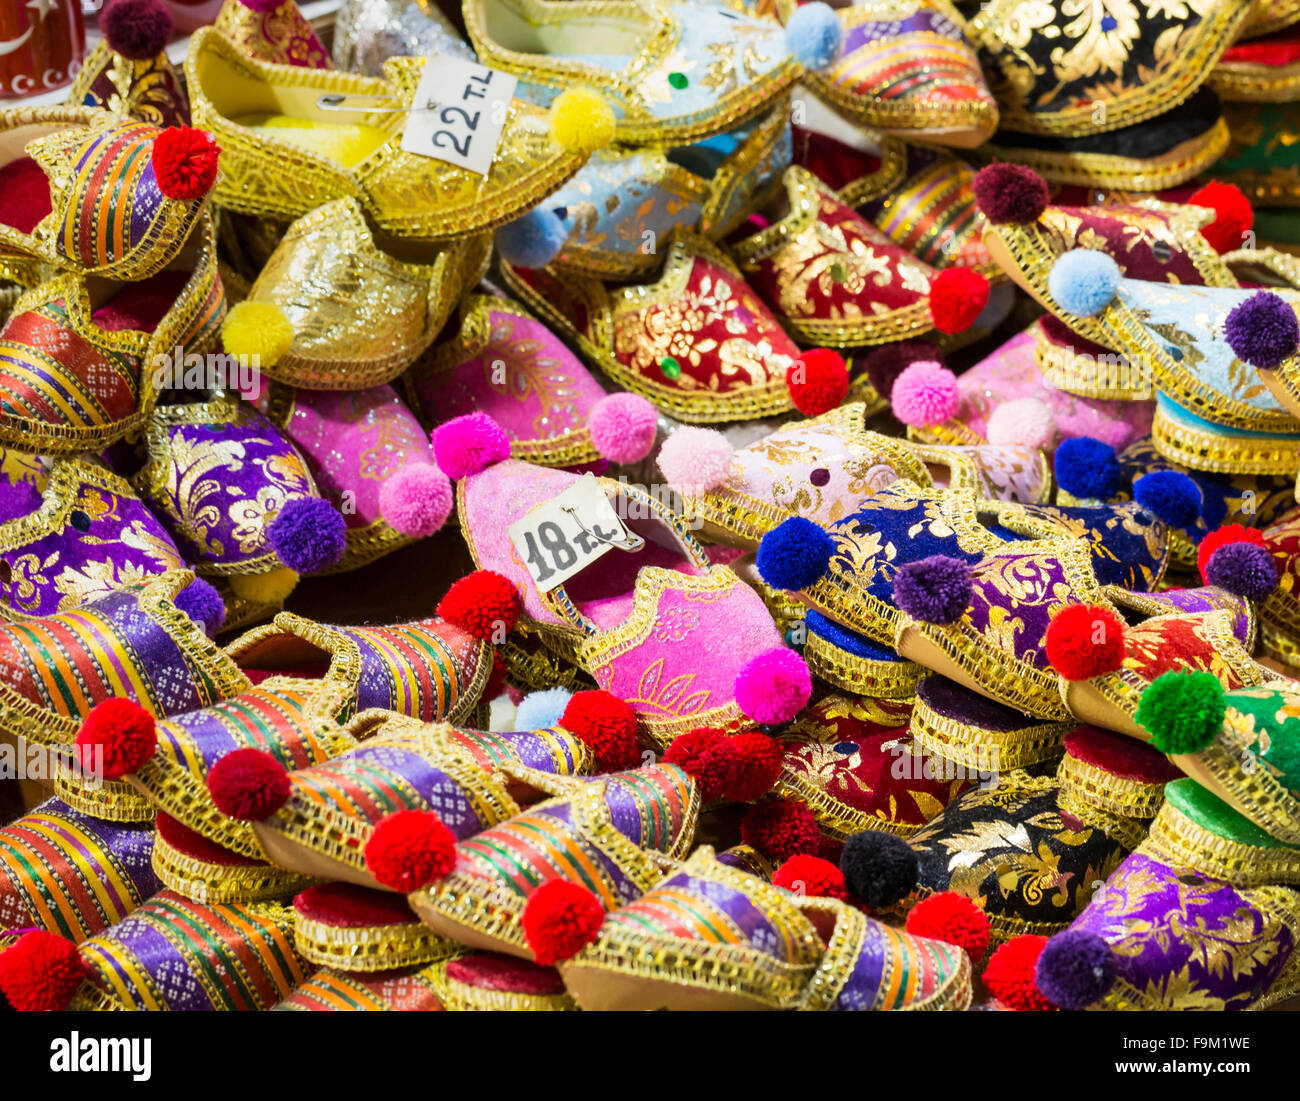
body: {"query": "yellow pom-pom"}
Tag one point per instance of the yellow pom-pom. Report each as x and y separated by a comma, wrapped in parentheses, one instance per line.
(581, 121)
(272, 587)
(257, 332)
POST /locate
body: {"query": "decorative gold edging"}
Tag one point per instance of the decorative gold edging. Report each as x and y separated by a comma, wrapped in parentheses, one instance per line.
(1182, 843)
(891, 680)
(979, 748)
(1119, 795)
(208, 882)
(1216, 453)
(369, 947)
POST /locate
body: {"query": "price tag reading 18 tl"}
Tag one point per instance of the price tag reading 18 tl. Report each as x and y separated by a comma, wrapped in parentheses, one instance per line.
(569, 532)
(458, 113)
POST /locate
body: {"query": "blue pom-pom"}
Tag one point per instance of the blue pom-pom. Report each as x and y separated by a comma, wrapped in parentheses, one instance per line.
(1088, 468)
(532, 241)
(203, 604)
(815, 35)
(1083, 281)
(794, 554)
(541, 710)
(308, 535)
(1076, 969)
(1171, 495)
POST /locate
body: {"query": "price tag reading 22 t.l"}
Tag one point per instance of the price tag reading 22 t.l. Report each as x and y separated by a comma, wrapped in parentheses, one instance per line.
(458, 113)
(569, 532)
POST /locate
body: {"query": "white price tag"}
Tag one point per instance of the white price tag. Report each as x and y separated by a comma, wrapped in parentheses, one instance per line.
(458, 113)
(569, 532)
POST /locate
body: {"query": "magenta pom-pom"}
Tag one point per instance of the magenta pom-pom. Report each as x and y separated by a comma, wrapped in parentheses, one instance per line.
(262, 6)
(925, 394)
(469, 445)
(416, 501)
(695, 460)
(774, 686)
(623, 427)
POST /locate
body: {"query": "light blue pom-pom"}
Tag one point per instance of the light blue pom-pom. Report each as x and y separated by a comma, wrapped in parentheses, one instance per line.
(534, 240)
(1083, 281)
(815, 36)
(541, 710)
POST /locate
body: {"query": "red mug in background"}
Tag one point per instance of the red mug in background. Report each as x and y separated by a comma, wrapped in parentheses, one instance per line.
(42, 46)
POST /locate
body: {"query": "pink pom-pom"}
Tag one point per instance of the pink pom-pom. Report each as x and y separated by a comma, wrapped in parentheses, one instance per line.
(417, 500)
(695, 460)
(1024, 422)
(925, 394)
(623, 427)
(469, 444)
(774, 686)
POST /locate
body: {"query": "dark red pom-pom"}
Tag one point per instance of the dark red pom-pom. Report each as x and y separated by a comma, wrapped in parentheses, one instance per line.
(818, 381)
(884, 364)
(606, 725)
(1009, 975)
(957, 297)
(705, 755)
(756, 763)
(248, 784)
(136, 29)
(185, 163)
(1233, 215)
(410, 849)
(41, 972)
(954, 919)
(122, 731)
(483, 604)
(1085, 641)
(1010, 193)
(560, 919)
(780, 829)
(811, 877)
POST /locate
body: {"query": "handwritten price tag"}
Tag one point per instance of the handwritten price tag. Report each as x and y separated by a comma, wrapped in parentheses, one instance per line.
(569, 532)
(458, 113)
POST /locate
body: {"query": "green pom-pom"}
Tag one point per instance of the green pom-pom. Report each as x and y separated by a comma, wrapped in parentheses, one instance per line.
(1182, 711)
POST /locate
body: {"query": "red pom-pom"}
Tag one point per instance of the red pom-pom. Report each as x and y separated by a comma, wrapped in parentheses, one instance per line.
(483, 604)
(705, 755)
(954, 919)
(248, 784)
(811, 877)
(1085, 641)
(957, 297)
(606, 725)
(1221, 537)
(756, 763)
(410, 849)
(560, 919)
(41, 972)
(1010, 974)
(122, 731)
(185, 163)
(1233, 215)
(780, 829)
(818, 381)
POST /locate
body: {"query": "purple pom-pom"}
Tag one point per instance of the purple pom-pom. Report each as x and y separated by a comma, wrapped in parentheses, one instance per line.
(1262, 330)
(1010, 193)
(1246, 569)
(469, 445)
(308, 535)
(17, 499)
(136, 29)
(1076, 969)
(203, 604)
(934, 590)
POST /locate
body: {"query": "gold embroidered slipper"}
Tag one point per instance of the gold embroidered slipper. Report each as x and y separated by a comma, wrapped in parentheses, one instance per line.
(697, 341)
(361, 307)
(356, 929)
(111, 339)
(1260, 69)
(198, 868)
(710, 937)
(285, 155)
(1197, 831)
(908, 69)
(671, 70)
